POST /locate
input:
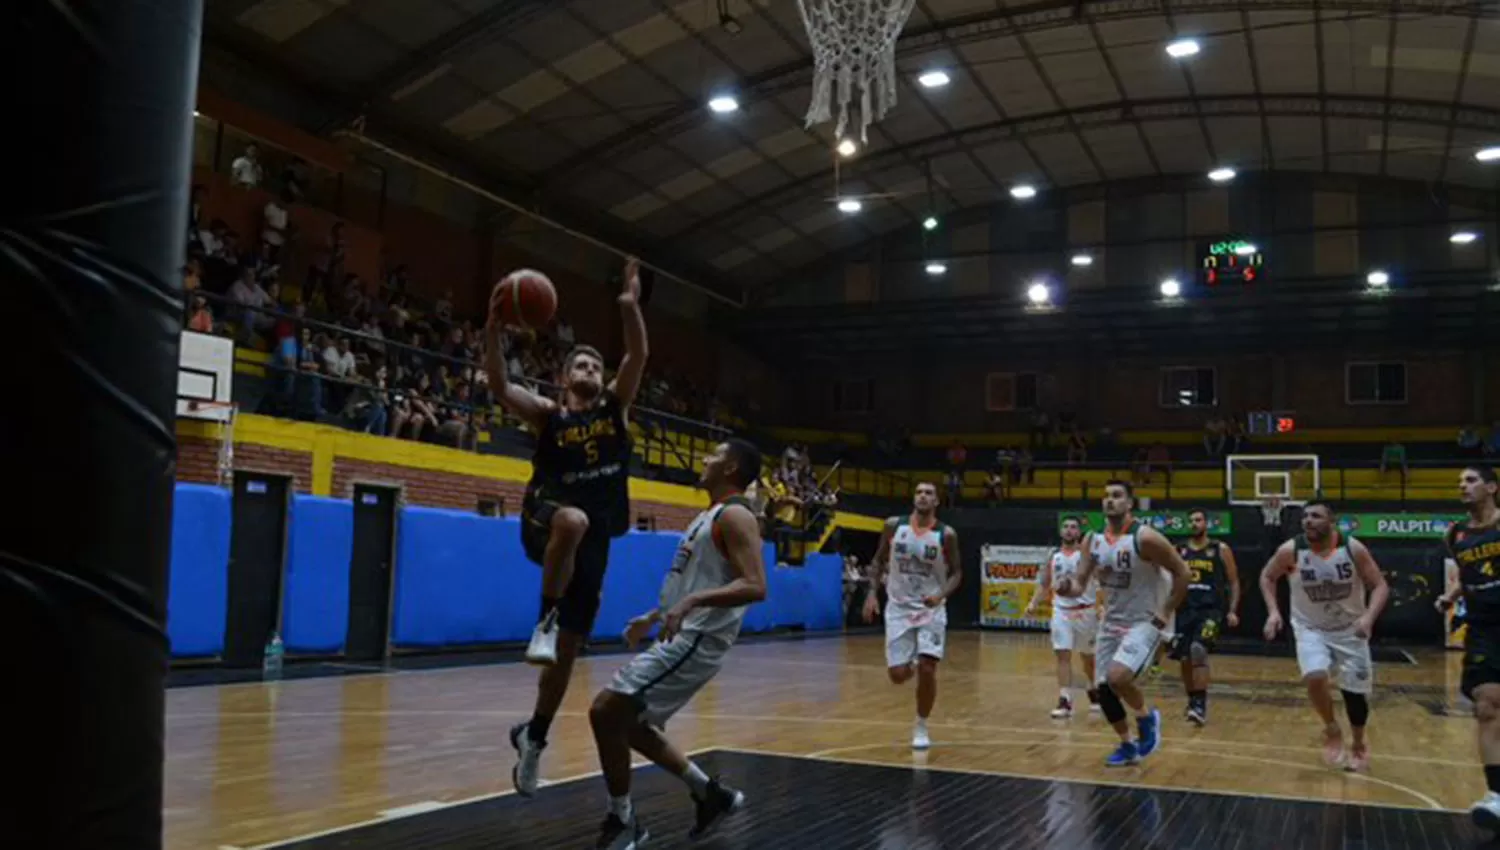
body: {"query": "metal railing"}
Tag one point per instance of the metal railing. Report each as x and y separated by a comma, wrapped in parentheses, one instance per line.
(662, 432)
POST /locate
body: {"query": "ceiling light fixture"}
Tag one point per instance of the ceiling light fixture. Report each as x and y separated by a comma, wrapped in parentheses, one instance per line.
(930, 223)
(1038, 293)
(1170, 288)
(1222, 174)
(1245, 249)
(934, 79)
(1377, 278)
(1182, 48)
(935, 268)
(723, 104)
(1023, 192)
(1082, 260)
(850, 205)
(1489, 154)
(1463, 237)
(847, 147)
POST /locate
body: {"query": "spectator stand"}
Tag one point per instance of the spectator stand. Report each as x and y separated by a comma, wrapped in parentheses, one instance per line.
(395, 381)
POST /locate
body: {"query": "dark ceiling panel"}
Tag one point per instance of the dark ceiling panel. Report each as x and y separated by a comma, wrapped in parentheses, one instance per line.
(602, 101)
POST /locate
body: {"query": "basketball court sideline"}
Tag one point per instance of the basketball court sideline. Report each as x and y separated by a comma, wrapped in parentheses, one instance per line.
(818, 739)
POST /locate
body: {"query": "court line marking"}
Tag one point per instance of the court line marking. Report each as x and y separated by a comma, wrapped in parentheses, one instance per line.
(399, 812)
(1147, 786)
(1057, 730)
(1431, 803)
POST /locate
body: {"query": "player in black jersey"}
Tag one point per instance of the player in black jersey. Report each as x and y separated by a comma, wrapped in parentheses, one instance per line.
(1211, 566)
(577, 501)
(1474, 544)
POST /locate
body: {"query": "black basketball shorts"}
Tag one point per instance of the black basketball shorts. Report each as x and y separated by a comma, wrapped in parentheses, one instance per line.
(580, 602)
(1200, 625)
(1481, 659)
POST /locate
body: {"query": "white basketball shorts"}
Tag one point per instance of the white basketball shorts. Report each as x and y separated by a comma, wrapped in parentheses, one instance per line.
(1132, 645)
(1344, 656)
(667, 675)
(910, 632)
(1075, 629)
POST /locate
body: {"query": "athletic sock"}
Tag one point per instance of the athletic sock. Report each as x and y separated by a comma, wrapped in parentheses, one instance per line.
(549, 603)
(537, 729)
(620, 807)
(1492, 777)
(696, 779)
(1063, 692)
(1198, 698)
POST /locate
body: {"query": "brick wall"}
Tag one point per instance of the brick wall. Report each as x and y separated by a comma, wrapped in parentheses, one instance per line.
(197, 462)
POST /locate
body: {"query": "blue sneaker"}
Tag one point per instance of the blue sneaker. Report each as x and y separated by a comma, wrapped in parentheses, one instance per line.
(1124, 756)
(1149, 728)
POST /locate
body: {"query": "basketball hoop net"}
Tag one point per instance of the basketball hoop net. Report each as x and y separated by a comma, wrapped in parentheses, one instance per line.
(1270, 512)
(854, 44)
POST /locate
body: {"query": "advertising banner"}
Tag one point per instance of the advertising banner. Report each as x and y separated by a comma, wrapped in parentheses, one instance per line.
(1167, 522)
(1398, 526)
(1008, 576)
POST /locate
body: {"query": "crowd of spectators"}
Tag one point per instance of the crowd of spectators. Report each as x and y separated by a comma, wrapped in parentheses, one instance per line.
(343, 367)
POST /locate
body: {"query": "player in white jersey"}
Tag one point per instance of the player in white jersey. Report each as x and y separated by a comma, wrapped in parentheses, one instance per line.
(923, 555)
(1329, 576)
(1075, 621)
(1144, 580)
(716, 574)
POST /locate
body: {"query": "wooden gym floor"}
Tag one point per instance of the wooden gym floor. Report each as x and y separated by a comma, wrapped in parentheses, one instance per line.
(810, 729)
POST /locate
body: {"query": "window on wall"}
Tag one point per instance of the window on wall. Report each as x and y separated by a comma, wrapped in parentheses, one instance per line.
(1005, 391)
(854, 395)
(1189, 386)
(1375, 383)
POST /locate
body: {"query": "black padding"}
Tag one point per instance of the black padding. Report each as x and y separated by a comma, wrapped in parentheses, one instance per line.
(99, 118)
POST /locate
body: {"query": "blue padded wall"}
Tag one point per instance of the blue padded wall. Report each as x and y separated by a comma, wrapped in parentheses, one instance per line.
(315, 601)
(198, 585)
(461, 579)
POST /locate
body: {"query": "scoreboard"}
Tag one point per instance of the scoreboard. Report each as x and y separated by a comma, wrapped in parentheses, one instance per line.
(1268, 423)
(1232, 261)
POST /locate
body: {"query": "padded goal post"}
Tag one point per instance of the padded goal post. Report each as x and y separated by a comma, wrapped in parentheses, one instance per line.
(1251, 480)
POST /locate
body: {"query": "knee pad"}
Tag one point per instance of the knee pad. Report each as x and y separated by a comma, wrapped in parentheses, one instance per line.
(1199, 654)
(1109, 703)
(1358, 708)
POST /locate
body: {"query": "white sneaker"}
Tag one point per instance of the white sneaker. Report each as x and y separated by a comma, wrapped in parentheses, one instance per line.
(1486, 812)
(543, 647)
(1064, 709)
(528, 770)
(919, 738)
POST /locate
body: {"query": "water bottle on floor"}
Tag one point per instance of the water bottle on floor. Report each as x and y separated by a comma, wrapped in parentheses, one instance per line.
(271, 667)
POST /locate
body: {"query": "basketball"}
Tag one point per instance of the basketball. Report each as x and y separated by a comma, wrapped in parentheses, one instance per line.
(524, 298)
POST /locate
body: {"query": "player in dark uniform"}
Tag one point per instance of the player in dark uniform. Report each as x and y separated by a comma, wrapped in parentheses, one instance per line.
(1474, 544)
(577, 501)
(1211, 566)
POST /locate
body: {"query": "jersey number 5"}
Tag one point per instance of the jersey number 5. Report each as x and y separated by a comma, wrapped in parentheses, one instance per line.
(591, 448)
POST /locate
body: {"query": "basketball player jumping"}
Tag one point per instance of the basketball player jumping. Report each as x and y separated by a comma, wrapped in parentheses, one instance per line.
(1210, 565)
(1075, 620)
(577, 500)
(926, 571)
(1475, 545)
(1329, 576)
(1134, 562)
(716, 574)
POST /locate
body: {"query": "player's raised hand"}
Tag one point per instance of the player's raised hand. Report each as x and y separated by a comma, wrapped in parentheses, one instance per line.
(1273, 626)
(631, 293)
